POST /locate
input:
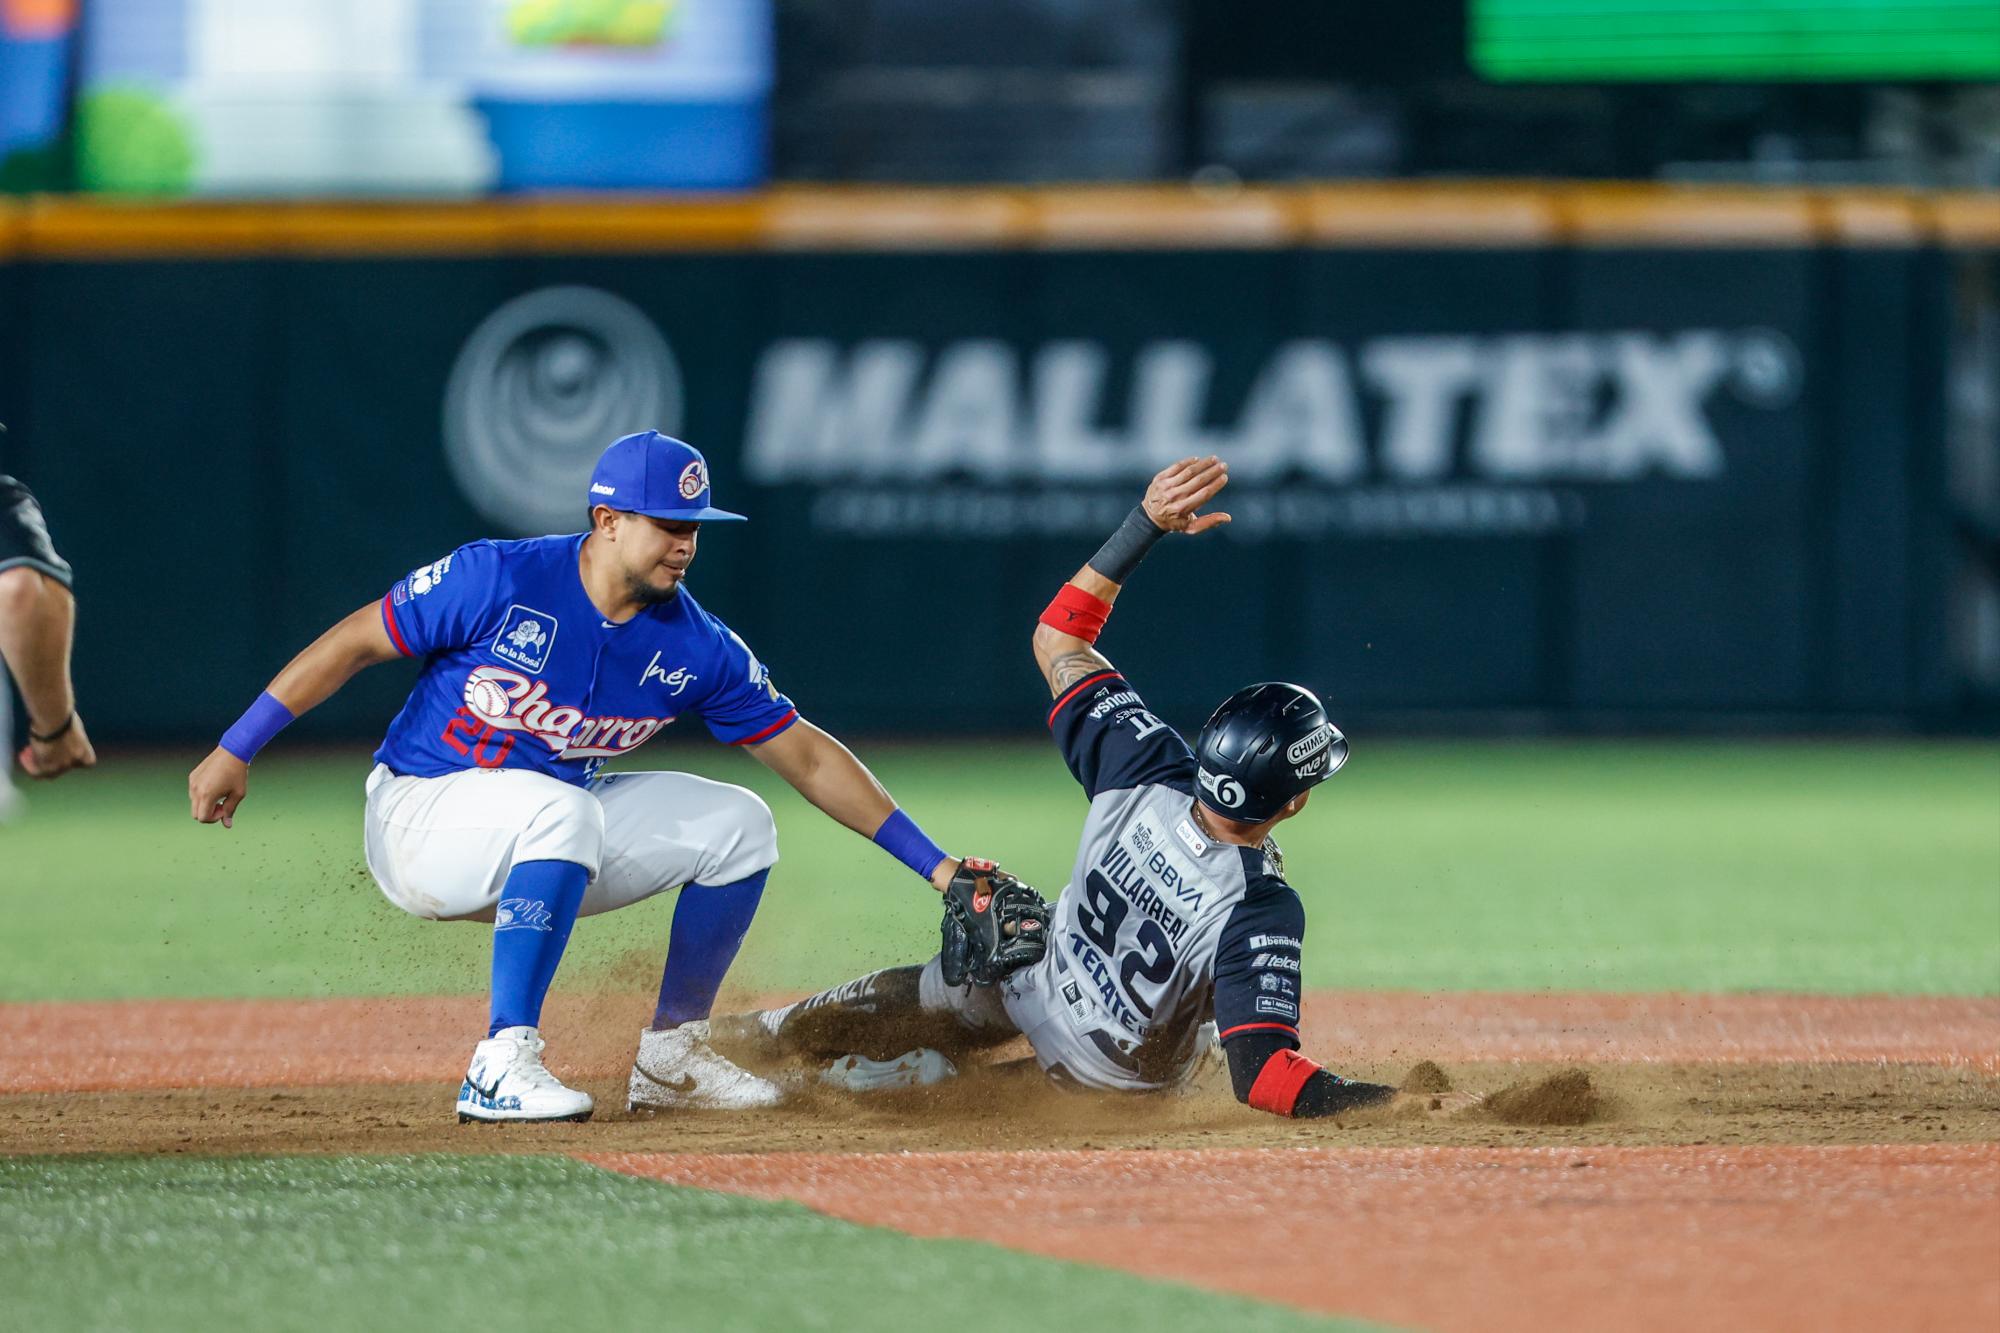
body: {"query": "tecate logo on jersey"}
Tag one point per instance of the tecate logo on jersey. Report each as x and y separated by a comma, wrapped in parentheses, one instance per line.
(509, 701)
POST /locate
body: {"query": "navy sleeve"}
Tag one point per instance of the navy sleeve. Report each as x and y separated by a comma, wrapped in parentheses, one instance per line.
(1111, 741)
(24, 535)
(449, 603)
(745, 707)
(1257, 978)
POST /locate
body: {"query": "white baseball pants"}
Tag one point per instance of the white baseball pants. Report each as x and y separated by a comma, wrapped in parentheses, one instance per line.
(442, 847)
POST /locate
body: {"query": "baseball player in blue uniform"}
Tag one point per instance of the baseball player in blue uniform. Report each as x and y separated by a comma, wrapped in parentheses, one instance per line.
(543, 659)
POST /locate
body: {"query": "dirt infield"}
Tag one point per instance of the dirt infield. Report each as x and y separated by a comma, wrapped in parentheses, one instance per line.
(354, 1075)
(362, 1076)
(1472, 1239)
(1736, 1161)
(1658, 1105)
(303, 1043)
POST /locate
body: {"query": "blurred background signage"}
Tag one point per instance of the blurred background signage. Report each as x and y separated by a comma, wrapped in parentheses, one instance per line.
(36, 48)
(225, 97)
(1582, 40)
(1608, 363)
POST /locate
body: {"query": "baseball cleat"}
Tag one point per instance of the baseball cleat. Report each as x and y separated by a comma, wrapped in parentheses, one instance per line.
(508, 1082)
(912, 1069)
(677, 1070)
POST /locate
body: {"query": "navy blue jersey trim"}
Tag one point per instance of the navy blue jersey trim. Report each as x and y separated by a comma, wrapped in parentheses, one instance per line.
(1079, 688)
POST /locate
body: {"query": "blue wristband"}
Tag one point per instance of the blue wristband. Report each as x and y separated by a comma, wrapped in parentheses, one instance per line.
(901, 838)
(254, 730)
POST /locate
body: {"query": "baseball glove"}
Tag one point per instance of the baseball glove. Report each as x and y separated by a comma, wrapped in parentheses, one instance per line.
(993, 925)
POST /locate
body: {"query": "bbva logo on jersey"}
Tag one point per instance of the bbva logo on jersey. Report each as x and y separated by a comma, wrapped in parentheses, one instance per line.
(525, 637)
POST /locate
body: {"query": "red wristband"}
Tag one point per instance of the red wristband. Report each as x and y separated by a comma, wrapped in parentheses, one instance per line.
(1077, 613)
(1278, 1082)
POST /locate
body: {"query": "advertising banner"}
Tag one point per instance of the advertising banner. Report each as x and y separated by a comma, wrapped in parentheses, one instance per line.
(36, 38)
(425, 97)
(1625, 488)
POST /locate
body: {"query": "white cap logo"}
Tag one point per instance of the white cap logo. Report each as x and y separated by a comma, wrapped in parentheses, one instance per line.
(694, 480)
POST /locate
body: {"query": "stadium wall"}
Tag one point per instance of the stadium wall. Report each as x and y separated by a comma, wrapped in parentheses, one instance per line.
(1616, 458)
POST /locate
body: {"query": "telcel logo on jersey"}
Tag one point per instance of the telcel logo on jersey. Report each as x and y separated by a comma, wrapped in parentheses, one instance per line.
(509, 701)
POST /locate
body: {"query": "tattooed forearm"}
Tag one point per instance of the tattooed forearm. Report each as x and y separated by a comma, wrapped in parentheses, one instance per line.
(1068, 668)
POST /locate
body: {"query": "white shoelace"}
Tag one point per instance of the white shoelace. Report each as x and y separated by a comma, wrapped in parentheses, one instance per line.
(526, 1065)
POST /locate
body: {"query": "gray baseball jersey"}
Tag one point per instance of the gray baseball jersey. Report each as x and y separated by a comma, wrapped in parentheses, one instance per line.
(1160, 928)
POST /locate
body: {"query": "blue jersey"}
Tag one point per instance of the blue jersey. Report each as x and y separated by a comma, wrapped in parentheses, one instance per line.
(522, 671)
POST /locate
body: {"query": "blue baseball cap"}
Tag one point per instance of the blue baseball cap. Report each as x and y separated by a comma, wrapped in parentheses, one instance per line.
(658, 476)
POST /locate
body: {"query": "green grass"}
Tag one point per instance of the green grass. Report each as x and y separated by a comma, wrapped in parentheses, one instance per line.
(329, 1244)
(1835, 867)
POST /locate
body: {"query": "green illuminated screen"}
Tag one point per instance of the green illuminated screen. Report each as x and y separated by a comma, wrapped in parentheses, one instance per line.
(1749, 40)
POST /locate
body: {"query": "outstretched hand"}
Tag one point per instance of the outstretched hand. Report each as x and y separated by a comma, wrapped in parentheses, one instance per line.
(1183, 487)
(216, 787)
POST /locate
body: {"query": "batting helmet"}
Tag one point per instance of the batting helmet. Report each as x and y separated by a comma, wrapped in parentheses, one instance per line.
(1265, 745)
